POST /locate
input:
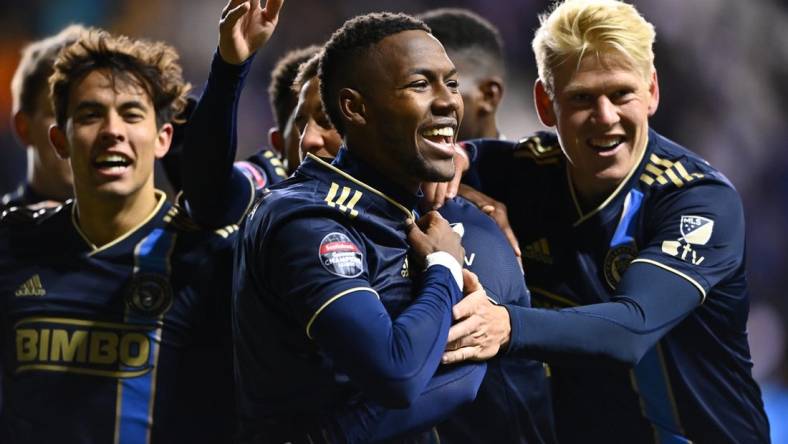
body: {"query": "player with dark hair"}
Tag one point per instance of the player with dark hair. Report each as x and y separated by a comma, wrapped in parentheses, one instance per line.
(48, 177)
(638, 241)
(476, 48)
(283, 98)
(115, 328)
(343, 356)
(309, 118)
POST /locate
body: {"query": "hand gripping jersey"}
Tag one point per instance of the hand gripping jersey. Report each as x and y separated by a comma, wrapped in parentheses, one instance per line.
(127, 343)
(321, 237)
(662, 260)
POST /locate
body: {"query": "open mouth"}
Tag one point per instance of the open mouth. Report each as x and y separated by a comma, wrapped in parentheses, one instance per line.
(605, 144)
(442, 137)
(112, 162)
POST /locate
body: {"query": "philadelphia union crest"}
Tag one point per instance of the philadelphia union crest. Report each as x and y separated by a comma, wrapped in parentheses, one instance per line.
(149, 294)
(617, 261)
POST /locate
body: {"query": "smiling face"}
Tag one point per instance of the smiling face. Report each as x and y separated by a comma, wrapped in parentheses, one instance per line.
(411, 107)
(601, 113)
(111, 137)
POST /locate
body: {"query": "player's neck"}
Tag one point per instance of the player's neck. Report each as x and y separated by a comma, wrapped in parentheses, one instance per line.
(103, 219)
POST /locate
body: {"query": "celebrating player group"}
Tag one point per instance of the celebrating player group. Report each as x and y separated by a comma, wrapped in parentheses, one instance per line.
(388, 267)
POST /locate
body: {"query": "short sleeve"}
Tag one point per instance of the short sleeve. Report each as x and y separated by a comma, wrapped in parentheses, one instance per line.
(312, 262)
(697, 233)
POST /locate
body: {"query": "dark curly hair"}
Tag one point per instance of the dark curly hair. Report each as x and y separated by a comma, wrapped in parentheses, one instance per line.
(152, 65)
(347, 45)
(280, 92)
(461, 30)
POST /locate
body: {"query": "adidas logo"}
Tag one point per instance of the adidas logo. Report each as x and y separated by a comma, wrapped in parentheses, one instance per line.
(31, 287)
(538, 251)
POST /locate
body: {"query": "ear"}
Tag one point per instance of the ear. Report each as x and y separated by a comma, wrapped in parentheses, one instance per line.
(544, 105)
(22, 128)
(653, 90)
(276, 139)
(492, 94)
(163, 140)
(57, 137)
(352, 107)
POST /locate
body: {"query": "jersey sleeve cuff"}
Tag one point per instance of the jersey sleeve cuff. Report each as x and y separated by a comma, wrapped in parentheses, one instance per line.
(448, 261)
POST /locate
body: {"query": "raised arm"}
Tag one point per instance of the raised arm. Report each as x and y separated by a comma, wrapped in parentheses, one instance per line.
(216, 192)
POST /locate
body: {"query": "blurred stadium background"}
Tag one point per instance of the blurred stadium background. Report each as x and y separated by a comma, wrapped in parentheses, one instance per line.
(723, 71)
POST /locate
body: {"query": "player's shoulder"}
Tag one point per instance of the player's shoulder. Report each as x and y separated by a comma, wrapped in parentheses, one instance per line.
(32, 217)
(541, 148)
(264, 168)
(671, 167)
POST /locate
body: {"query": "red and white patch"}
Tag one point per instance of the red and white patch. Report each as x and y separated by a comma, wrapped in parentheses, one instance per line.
(340, 255)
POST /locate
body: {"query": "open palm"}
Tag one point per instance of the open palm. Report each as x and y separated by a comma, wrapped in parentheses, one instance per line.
(245, 27)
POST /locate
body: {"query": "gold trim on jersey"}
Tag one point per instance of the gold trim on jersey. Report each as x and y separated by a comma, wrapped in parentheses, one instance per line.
(674, 271)
(331, 300)
(585, 217)
(360, 183)
(84, 323)
(664, 171)
(120, 375)
(162, 198)
(339, 202)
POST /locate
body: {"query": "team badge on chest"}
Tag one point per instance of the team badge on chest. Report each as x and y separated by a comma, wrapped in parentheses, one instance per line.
(149, 294)
(617, 261)
(340, 256)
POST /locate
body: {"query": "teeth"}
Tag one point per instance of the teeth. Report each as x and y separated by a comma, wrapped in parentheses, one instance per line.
(606, 142)
(115, 158)
(446, 131)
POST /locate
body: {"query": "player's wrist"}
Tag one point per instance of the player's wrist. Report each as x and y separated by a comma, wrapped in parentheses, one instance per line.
(447, 260)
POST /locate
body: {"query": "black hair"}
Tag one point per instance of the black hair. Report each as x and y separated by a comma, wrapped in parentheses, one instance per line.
(347, 45)
(462, 30)
(280, 92)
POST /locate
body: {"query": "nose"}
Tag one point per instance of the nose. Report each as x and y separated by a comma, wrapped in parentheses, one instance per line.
(318, 140)
(113, 129)
(447, 101)
(605, 112)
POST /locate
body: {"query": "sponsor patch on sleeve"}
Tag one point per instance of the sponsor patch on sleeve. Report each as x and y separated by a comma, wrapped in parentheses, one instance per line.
(340, 255)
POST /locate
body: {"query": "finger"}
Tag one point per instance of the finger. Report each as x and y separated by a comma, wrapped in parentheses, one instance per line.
(440, 195)
(232, 4)
(465, 327)
(234, 15)
(470, 280)
(459, 355)
(272, 8)
(413, 232)
(487, 209)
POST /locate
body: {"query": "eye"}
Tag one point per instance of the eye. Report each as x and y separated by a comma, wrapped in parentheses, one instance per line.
(133, 117)
(419, 84)
(581, 97)
(622, 95)
(453, 84)
(87, 117)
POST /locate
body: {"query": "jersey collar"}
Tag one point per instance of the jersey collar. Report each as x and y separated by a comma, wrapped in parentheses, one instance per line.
(355, 170)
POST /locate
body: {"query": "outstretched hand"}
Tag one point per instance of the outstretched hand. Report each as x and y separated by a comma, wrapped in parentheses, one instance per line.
(245, 26)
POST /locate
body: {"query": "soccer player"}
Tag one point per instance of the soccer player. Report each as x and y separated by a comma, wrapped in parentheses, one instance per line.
(49, 179)
(325, 359)
(640, 239)
(114, 325)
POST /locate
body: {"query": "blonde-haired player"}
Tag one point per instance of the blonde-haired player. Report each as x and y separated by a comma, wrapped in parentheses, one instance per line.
(634, 242)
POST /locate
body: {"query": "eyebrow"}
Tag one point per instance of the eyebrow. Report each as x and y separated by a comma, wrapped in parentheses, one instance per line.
(430, 72)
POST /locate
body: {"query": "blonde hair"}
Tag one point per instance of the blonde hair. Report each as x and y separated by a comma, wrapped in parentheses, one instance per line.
(35, 67)
(152, 65)
(576, 28)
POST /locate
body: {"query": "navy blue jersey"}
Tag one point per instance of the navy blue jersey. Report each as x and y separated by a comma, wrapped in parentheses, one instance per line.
(312, 241)
(675, 224)
(269, 171)
(513, 403)
(21, 197)
(125, 343)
